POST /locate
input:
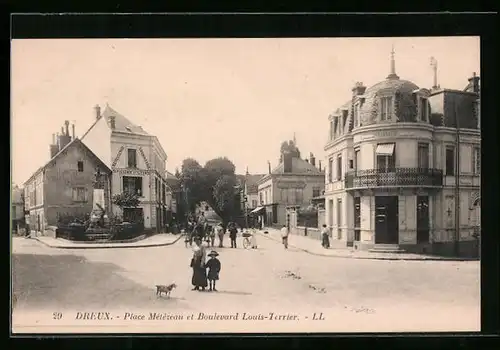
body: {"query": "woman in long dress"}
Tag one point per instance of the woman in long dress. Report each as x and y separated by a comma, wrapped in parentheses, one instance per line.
(199, 279)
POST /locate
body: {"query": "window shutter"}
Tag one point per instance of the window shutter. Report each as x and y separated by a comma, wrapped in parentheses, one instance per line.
(74, 194)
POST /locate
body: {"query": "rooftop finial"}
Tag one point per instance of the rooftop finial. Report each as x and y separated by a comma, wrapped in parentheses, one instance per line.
(392, 74)
(434, 65)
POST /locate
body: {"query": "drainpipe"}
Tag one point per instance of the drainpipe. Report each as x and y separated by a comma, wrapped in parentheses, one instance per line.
(457, 183)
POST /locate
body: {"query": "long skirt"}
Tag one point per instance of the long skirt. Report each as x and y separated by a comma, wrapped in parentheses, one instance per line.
(326, 241)
(199, 277)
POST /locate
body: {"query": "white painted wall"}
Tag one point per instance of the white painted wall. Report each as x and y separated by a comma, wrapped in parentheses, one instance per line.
(98, 140)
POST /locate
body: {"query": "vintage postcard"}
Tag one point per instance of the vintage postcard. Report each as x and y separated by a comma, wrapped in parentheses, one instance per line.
(246, 185)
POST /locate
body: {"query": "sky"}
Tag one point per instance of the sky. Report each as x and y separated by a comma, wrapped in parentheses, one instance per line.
(206, 98)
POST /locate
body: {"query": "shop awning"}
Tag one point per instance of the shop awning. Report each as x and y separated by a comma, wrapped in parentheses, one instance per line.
(256, 210)
(386, 149)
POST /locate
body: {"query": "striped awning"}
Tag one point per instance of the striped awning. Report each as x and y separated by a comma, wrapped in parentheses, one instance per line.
(385, 149)
(256, 210)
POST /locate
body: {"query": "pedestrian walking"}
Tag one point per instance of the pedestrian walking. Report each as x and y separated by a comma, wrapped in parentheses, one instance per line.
(325, 235)
(213, 265)
(284, 236)
(233, 231)
(199, 278)
(213, 232)
(253, 239)
(220, 233)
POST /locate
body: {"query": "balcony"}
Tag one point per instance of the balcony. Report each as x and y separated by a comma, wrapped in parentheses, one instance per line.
(398, 177)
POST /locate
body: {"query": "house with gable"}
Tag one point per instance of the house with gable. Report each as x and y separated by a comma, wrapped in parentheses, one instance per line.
(137, 161)
(293, 183)
(64, 185)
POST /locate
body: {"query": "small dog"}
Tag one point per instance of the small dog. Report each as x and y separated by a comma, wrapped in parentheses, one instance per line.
(165, 289)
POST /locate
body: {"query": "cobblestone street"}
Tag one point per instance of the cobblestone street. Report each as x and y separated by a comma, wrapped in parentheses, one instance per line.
(353, 295)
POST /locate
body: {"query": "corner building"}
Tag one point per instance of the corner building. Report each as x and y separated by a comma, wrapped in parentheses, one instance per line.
(392, 168)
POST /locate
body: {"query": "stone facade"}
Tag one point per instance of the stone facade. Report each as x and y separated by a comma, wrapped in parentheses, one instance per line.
(116, 139)
(406, 155)
(64, 186)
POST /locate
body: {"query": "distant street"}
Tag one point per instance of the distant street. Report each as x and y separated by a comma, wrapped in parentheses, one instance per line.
(361, 295)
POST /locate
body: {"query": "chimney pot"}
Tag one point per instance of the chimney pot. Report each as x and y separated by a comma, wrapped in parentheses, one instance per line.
(66, 124)
(53, 139)
(97, 110)
(73, 131)
(112, 122)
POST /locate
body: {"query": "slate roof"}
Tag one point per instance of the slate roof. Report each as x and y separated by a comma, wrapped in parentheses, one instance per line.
(75, 142)
(121, 123)
(252, 181)
(299, 166)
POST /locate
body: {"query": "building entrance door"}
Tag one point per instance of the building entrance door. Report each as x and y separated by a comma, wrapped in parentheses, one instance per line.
(386, 220)
(357, 219)
(422, 219)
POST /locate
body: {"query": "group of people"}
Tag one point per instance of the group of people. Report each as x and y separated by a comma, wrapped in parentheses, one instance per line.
(199, 229)
(205, 273)
(325, 236)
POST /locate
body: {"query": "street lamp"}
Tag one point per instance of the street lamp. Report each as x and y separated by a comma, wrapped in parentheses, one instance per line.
(457, 183)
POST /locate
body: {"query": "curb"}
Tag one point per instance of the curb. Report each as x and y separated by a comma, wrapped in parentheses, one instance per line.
(374, 257)
(96, 246)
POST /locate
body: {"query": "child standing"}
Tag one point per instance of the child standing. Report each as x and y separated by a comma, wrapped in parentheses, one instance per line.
(213, 265)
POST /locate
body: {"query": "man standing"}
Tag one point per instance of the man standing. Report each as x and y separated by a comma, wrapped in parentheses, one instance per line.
(284, 236)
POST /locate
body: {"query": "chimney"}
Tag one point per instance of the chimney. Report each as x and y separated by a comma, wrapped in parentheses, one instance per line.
(97, 110)
(73, 131)
(312, 159)
(66, 124)
(53, 148)
(287, 162)
(112, 121)
(474, 81)
(319, 165)
(358, 89)
(269, 166)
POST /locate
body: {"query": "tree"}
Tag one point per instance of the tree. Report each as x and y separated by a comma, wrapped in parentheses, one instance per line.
(126, 200)
(225, 197)
(214, 170)
(191, 179)
(177, 173)
(200, 183)
(289, 147)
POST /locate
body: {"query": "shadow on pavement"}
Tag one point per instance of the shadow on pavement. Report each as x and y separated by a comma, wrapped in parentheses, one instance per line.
(232, 292)
(70, 281)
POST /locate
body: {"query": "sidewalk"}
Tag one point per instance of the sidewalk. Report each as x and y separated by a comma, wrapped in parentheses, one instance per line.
(158, 240)
(314, 247)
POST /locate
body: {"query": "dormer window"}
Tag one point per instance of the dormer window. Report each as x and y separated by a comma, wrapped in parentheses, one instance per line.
(332, 134)
(423, 109)
(355, 115)
(386, 108)
(335, 126)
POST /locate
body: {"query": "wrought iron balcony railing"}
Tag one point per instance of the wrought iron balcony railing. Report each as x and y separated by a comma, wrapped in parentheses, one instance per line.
(418, 177)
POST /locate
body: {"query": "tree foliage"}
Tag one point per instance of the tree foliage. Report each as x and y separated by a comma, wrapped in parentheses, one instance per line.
(225, 195)
(214, 183)
(126, 200)
(289, 147)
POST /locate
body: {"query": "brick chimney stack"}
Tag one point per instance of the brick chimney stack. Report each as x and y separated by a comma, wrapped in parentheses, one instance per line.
(112, 122)
(358, 89)
(474, 81)
(53, 148)
(97, 110)
(312, 159)
(319, 165)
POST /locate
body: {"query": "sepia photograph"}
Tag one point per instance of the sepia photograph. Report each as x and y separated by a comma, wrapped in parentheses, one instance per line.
(269, 185)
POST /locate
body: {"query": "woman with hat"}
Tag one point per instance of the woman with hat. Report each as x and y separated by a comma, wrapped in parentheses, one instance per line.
(213, 265)
(199, 279)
